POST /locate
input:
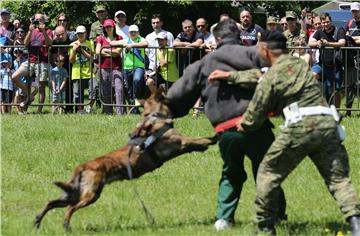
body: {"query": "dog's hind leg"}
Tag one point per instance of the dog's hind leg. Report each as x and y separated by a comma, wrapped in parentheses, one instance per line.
(61, 202)
(85, 199)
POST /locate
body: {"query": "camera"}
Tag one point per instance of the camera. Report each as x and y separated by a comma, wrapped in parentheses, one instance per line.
(35, 22)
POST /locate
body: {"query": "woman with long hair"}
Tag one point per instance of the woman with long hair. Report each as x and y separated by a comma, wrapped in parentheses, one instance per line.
(109, 68)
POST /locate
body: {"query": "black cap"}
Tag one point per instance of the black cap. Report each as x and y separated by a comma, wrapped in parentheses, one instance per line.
(274, 39)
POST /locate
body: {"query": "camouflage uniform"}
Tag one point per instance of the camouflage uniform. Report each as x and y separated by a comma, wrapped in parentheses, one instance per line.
(96, 30)
(289, 80)
(294, 36)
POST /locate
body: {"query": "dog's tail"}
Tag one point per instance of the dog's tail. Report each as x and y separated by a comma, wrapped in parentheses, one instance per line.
(64, 186)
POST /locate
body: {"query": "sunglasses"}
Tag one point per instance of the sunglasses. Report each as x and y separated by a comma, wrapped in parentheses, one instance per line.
(200, 26)
(62, 20)
(283, 24)
(19, 32)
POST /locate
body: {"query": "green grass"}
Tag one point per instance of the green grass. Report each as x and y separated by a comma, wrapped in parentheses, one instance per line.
(39, 149)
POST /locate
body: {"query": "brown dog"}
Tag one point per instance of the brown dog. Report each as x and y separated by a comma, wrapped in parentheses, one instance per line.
(154, 142)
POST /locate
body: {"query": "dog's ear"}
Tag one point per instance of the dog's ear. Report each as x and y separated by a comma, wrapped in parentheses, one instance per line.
(160, 94)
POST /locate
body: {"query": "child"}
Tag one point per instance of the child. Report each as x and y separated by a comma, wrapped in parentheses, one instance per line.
(58, 78)
(19, 54)
(6, 84)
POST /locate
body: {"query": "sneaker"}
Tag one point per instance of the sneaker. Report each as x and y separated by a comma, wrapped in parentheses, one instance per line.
(222, 224)
(88, 110)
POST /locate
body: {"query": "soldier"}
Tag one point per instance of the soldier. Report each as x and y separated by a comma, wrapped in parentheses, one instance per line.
(96, 27)
(224, 105)
(294, 31)
(311, 128)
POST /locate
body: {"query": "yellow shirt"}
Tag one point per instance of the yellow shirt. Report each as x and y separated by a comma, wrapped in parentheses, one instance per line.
(81, 62)
(169, 72)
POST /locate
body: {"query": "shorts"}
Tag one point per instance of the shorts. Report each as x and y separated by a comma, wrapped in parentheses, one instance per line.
(40, 70)
(6, 96)
(316, 68)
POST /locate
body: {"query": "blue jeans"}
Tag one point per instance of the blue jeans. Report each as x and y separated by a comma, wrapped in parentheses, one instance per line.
(134, 84)
(331, 79)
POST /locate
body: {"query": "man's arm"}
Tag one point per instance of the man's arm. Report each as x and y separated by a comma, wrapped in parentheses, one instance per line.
(247, 79)
(184, 93)
(259, 106)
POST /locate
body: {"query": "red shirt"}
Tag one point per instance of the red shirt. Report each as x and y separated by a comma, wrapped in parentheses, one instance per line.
(38, 53)
(106, 61)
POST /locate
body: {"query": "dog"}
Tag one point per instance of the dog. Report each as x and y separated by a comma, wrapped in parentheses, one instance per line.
(153, 142)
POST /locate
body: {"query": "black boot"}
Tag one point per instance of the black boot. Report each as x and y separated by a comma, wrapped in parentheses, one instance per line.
(266, 230)
(355, 225)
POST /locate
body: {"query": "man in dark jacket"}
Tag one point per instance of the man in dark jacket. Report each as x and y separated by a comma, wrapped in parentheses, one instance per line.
(224, 105)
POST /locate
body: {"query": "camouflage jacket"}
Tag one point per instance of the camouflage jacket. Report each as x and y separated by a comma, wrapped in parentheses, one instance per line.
(292, 37)
(96, 30)
(289, 80)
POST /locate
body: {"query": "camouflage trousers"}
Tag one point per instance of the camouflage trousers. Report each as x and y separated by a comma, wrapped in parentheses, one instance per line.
(323, 146)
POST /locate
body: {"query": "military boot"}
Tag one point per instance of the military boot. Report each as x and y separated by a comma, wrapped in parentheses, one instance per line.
(355, 224)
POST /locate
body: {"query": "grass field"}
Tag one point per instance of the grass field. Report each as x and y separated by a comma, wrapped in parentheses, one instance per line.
(39, 149)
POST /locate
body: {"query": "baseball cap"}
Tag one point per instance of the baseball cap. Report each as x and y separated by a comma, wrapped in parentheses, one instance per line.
(108, 22)
(355, 6)
(133, 28)
(100, 8)
(5, 11)
(290, 14)
(161, 35)
(120, 12)
(271, 20)
(80, 29)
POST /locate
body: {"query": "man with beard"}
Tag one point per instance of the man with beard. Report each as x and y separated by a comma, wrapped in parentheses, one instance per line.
(249, 30)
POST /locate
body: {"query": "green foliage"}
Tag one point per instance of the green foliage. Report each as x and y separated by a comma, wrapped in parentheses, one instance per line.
(39, 149)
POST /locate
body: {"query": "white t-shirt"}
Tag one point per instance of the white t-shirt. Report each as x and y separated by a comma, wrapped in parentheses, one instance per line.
(152, 42)
(123, 32)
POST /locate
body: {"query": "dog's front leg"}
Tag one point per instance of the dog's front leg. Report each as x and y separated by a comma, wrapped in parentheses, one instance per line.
(189, 144)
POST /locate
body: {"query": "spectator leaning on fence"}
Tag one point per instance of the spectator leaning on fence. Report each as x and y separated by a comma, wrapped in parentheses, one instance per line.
(352, 74)
(36, 38)
(80, 56)
(329, 36)
(110, 67)
(191, 39)
(156, 24)
(134, 66)
(167, 72)
(122, 29)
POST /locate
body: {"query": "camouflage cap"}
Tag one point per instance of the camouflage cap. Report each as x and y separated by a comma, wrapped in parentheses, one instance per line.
(100, 8)
(274, 39)
(271, 20)
(290, 14)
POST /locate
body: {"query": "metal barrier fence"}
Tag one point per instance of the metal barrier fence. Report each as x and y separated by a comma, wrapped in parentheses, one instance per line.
(112, 86)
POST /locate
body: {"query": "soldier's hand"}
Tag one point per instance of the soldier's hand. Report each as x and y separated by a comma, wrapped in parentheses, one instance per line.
(239, 126)
(218, 75)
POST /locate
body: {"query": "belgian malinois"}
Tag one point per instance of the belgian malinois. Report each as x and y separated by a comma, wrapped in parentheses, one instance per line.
(153, 146)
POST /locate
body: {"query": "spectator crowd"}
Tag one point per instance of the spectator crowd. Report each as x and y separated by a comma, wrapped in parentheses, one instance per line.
(119, 66)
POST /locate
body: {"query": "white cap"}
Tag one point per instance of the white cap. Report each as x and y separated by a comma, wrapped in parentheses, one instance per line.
(161, 35)
(133, 28)
(80, 29)
(120, 12)
(355, 6)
